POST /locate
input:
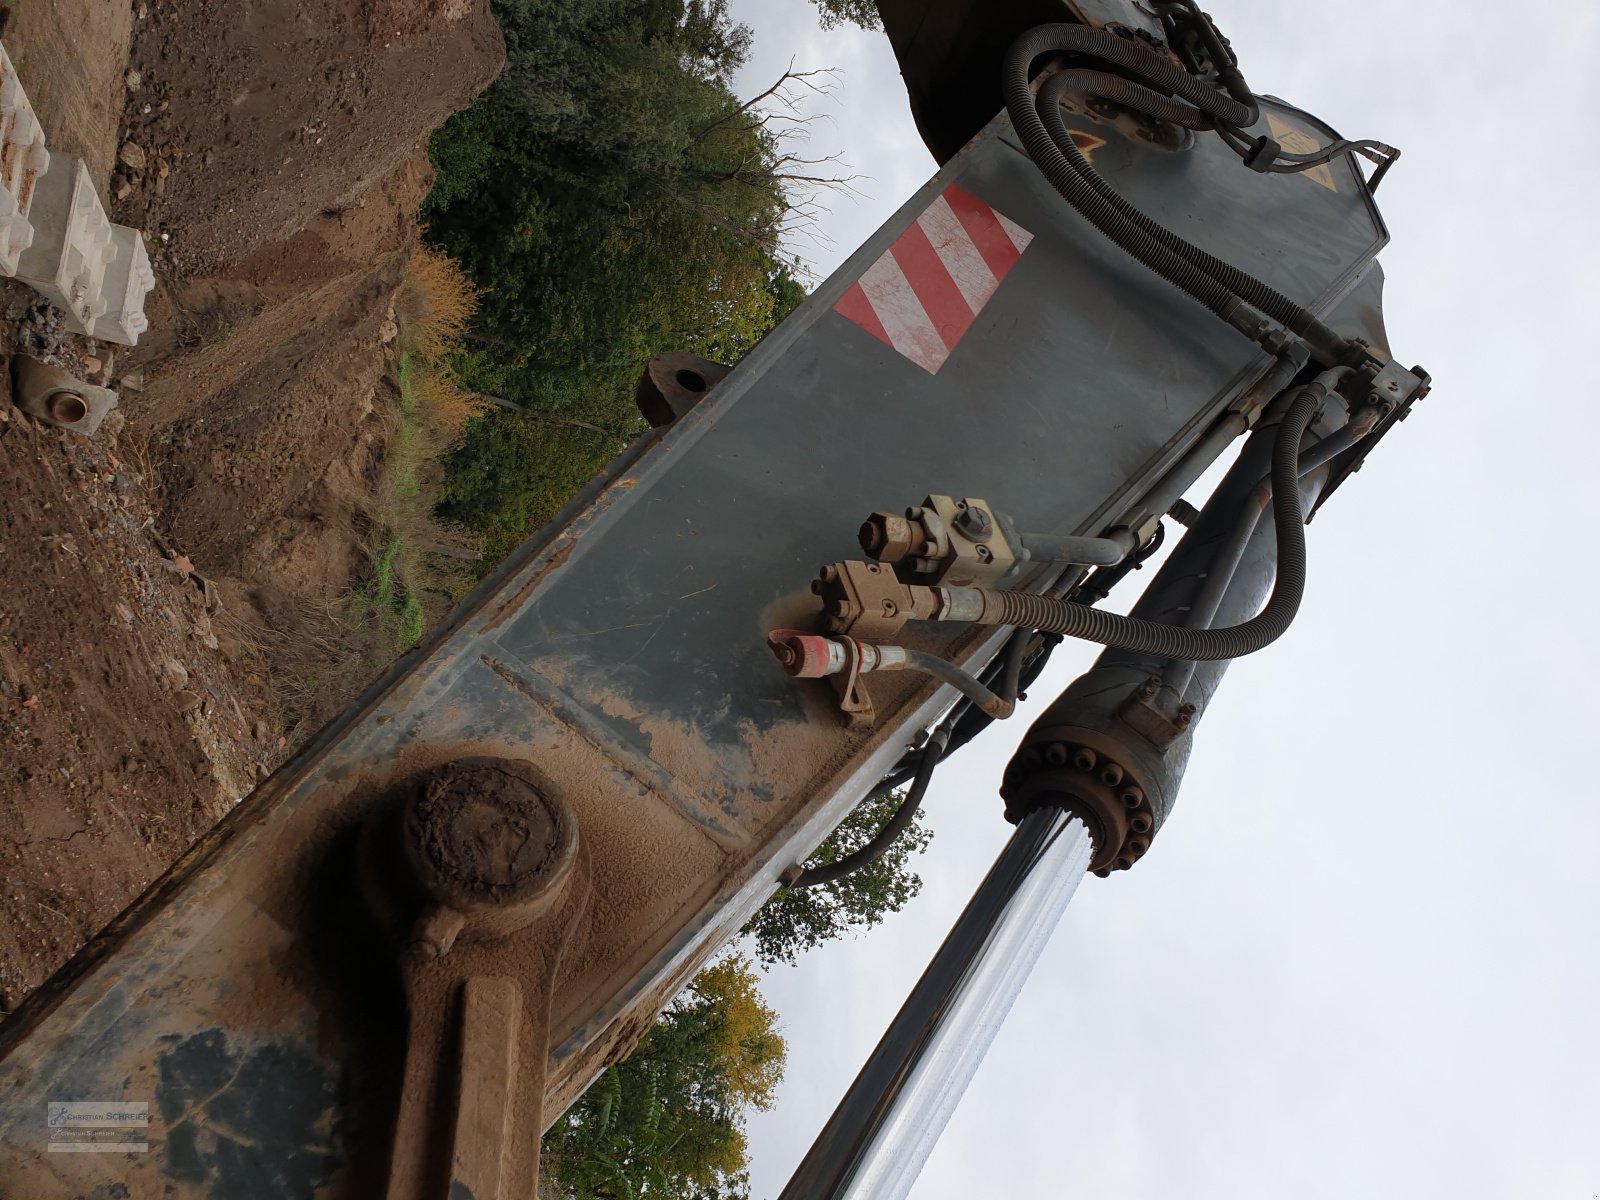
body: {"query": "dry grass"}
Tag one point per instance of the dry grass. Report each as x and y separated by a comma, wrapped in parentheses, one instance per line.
(435, 303)
(320, 654)
(317, 654)
(419, 565)
(442, 405)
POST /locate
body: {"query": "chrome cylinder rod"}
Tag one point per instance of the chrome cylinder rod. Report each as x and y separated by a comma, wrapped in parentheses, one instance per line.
(875, 1143)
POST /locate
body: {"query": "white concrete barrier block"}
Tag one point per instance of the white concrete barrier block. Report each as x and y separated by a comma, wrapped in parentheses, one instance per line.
(128, 279)
(72, 245)
(23, 159)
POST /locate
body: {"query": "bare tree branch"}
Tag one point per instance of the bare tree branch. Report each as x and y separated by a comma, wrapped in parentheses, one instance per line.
(513, 406)
(774, 91)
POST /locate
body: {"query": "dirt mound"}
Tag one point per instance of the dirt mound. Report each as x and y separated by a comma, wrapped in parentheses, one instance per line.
(281, 146)
(250, 119)
(122, 737)
(275, 420)
(267, 433)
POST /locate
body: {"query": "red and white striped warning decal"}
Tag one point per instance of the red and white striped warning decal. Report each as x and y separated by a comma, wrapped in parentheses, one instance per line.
(930, 285)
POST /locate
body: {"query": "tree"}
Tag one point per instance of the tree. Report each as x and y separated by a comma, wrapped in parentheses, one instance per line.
(611, 198)
(749, 1051)
(833, 13)
(668, 1121)
(794, 921)
(510, 473)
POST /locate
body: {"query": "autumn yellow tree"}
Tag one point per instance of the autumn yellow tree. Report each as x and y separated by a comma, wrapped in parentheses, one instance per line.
(750, 1051)
(669, 1121)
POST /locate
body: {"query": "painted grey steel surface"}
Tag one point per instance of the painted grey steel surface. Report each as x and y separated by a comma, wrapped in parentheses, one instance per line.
(1082, 376)
(622, 652)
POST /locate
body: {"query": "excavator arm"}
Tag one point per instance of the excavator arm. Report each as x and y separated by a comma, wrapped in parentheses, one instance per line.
(417, 943)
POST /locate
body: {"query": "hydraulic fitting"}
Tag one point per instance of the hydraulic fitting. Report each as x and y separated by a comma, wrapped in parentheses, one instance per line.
(811, 656)
(867, 600)
(945, 540)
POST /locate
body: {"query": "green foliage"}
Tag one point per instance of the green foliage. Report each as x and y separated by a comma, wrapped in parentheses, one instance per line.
(833, 13)
(382, 585)
(612, 198)
(510, 474)
(389, 599)
(408, 583)
(794, 921)
(413, 621)
(669, 1120)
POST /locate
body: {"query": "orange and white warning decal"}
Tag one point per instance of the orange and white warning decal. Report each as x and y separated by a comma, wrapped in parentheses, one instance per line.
(930, 285)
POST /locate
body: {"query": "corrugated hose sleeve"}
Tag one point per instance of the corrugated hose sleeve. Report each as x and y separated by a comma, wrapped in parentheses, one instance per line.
(1240, 283)
(1126, 93)
(1227, 291)
(1048, 614)
(1155, 70)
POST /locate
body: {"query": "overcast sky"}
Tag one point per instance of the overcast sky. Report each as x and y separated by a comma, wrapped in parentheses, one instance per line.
(1360, 960)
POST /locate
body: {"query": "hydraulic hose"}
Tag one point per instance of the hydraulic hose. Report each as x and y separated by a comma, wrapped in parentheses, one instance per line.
(942, 669)
(1155, 70)
(1098, 586)
(1223, 59)
(1172, 641)
(1222, 568)
(1128, 94)
(1237, 282)
(1227, 291)
(880, 842)
(1019, 663)
(955, 731)
(1009, 672)
(1285, 163)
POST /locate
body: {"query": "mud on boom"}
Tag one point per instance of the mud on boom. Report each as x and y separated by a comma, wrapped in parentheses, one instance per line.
(419, 941)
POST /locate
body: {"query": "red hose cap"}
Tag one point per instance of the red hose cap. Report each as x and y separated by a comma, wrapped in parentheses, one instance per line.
(803, 655)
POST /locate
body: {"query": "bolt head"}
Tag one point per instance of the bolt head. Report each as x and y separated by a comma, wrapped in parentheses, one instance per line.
(973, 522)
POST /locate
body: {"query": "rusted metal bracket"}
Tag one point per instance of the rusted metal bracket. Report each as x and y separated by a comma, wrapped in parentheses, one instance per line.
(673, 383)
(867, 600)
(854, 701)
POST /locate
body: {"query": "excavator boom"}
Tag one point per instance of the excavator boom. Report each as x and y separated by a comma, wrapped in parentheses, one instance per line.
(418, 942)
